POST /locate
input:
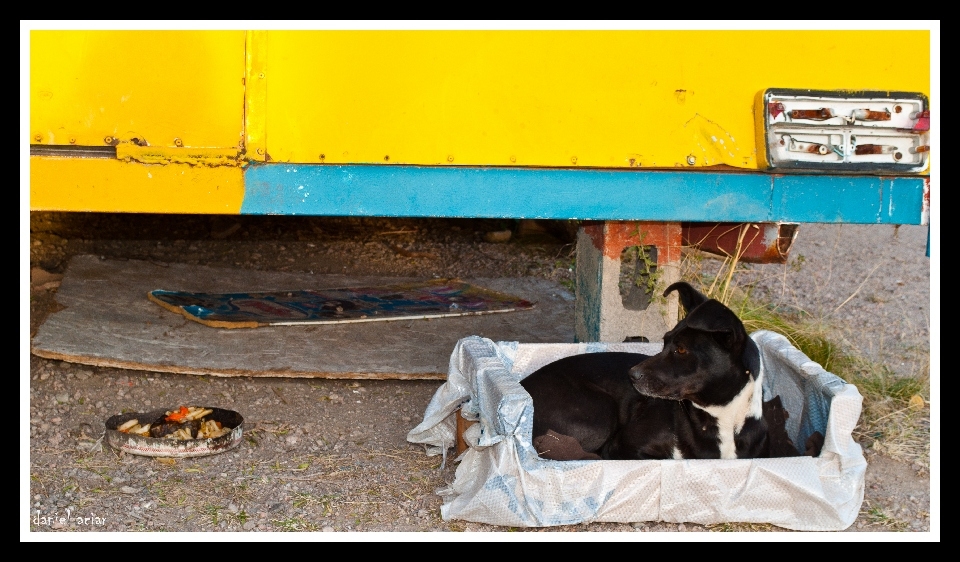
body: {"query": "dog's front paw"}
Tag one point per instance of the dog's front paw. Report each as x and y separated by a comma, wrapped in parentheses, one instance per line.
(558, 447)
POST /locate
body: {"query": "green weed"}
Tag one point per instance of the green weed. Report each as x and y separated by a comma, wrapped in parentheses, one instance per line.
(292, 524)
(875, 515)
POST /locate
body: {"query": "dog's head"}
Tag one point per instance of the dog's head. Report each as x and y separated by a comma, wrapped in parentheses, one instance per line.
(707, 357)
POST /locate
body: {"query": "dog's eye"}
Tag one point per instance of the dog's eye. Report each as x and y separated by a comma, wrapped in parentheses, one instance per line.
(681, 350)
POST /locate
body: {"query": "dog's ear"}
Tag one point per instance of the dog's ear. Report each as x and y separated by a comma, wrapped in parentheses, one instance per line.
(690, 298)
(713, 317)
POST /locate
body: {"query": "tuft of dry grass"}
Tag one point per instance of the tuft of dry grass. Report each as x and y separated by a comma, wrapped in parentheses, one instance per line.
(896, 411)
(294, 524)
(876, 516)
(742, 528)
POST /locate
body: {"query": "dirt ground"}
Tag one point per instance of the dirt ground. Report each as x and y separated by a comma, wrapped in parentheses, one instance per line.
(331, 455)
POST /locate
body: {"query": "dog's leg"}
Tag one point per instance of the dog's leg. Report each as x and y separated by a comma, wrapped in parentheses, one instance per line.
(558, 447)
(586, 397)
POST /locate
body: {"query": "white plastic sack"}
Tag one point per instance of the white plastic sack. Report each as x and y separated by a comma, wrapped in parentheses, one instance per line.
(501, 481)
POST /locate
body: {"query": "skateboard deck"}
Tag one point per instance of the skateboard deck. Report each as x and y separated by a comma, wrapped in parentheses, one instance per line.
(436, 298)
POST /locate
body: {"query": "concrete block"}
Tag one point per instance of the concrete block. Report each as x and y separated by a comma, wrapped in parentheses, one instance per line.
(600, 310)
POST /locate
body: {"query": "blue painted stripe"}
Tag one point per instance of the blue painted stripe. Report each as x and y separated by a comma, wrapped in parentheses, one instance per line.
(850, 199)
(541, 193)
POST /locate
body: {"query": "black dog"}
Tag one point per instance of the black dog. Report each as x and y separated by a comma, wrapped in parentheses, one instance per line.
(699, 398)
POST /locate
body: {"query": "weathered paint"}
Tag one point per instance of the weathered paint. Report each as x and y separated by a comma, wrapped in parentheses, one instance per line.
(107, 185)
(762, 242)
(848, 199)
(193, 156)
(821, 114)
(871, 115)
(255, 97)
(874, 149)
(612, 237)
(422, 191)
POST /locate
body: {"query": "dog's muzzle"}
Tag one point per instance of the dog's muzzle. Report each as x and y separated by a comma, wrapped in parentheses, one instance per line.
(650, 385)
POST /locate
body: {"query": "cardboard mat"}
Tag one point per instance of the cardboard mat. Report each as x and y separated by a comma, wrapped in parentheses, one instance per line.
(108, 321)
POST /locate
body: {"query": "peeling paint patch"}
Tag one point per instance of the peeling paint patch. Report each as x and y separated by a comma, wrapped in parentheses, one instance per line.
(716, 144)
(212, 157)
(891, 206)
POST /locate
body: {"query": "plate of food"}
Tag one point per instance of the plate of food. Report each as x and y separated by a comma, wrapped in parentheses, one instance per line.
(184, 431)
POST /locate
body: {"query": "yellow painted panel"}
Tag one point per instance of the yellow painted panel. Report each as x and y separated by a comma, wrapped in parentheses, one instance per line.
(556, 98)
(152, 85)
(107, 185)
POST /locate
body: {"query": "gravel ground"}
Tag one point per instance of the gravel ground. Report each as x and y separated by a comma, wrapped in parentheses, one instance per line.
(870, 282)
(323, 455)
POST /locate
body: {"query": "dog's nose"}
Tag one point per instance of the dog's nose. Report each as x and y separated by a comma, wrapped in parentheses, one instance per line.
(635, 373)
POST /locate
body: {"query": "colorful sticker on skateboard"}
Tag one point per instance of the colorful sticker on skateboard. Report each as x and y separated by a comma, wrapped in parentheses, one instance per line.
(429, 299)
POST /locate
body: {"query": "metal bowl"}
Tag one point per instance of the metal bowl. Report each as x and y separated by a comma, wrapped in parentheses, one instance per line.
(163, 447)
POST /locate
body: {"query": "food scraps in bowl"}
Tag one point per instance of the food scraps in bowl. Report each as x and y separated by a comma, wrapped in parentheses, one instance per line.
(186, 431)
(189, 422)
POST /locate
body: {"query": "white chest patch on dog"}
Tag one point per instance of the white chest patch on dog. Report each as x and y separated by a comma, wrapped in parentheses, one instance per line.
(677, 454)
(730, 417)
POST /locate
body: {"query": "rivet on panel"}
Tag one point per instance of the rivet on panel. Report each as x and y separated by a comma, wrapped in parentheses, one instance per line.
(260, 151)
(262, 75)
(573, 160)
(178, 142)
(38, 138)
(450, 158)
(108, 140)
(73, 140)
(513, 159)
(691, 159)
